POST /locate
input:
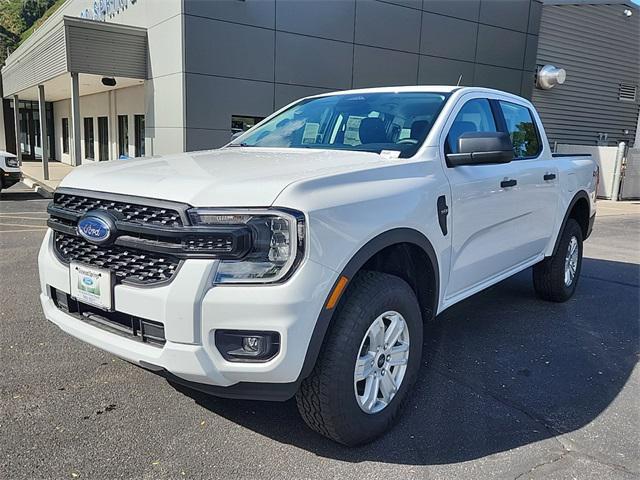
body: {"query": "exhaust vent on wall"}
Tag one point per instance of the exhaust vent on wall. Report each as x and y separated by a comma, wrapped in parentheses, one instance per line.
(627, 92)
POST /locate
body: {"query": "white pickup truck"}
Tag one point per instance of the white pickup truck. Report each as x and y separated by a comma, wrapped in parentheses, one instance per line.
(304, 257)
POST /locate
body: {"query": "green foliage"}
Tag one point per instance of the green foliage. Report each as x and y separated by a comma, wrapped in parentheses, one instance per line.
(18, 17)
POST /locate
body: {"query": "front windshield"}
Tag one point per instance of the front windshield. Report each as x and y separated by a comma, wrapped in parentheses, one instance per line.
(369, 122)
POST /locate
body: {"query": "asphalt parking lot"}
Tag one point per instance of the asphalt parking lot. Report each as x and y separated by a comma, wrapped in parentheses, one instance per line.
(513, 388)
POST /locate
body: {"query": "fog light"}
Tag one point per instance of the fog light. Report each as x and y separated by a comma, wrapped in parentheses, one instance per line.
(247, 346)
(251, 344)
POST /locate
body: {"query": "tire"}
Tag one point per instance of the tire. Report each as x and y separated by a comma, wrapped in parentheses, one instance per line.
(327, 399)
(549, 279)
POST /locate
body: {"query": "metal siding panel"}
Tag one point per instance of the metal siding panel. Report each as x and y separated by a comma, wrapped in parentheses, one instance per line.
(44, 62)
(103, 52)
(599, 48)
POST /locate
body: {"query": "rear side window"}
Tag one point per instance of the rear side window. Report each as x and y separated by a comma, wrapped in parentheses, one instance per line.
(522, 129)
(474, 116)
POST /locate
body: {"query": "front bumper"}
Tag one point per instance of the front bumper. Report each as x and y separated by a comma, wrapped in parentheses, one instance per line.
(191, 311)
(8, 179)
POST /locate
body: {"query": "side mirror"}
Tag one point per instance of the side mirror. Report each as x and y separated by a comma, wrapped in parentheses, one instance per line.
(476, 148)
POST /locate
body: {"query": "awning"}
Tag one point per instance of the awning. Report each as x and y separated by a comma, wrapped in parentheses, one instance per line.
(76, 45)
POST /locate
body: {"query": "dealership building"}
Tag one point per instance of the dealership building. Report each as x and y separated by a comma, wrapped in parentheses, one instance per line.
(112, 78)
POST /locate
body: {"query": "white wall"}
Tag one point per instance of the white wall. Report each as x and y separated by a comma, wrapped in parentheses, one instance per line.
(124, 101)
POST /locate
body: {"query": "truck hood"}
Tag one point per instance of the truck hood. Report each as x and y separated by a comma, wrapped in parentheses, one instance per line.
(240, 177)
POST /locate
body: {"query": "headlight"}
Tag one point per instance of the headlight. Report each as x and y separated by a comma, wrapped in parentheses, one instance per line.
(277, 243)
(12, 162)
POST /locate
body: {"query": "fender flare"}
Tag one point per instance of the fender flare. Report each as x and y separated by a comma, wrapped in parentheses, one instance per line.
(366, 252)
(574, 200)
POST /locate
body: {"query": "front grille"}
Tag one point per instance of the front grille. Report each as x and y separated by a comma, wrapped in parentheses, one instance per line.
(125, 211)
(127, 264)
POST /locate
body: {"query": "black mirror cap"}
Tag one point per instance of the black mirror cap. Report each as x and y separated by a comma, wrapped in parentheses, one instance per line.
(482, 148)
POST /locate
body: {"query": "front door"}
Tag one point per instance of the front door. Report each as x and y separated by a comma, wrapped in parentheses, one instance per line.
(489, 210)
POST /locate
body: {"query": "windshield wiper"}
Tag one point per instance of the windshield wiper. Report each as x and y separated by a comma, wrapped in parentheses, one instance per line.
(243, 144)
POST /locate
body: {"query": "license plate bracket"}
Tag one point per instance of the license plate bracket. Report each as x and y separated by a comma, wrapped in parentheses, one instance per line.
(92, 285)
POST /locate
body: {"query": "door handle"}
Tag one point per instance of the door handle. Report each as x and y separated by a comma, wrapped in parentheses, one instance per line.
(508, 183)
(549, 176)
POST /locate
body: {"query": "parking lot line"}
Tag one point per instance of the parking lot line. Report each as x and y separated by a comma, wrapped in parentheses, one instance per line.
(41, 227)
(25, 230)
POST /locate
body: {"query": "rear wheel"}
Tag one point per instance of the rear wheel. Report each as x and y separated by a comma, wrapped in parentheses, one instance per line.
(556, 277)
(369, 361)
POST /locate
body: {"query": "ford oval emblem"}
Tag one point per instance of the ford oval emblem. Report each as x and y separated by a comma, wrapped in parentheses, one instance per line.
(87, 281)
(94, 229)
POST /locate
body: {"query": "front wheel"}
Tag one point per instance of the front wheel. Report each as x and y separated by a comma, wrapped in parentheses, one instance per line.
(369, 361)
(556, 277)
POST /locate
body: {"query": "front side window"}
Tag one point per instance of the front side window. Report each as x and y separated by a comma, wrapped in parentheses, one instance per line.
(521, 128)
(474, 116)
(368, 122)
(89, 151)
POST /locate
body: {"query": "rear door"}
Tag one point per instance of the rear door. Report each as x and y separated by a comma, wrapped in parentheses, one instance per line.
(489, 211)
(538, 173)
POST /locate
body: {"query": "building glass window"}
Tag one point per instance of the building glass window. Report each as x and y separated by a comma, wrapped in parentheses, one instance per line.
(123, 136)
(242, 124)
(65, 135)
(522, 129)
(139, 134)
(89, 149)
(29, 123)
(103, 139)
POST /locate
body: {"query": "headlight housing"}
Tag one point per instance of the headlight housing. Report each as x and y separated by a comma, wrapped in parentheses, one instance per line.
(276, 248)
(12, 162)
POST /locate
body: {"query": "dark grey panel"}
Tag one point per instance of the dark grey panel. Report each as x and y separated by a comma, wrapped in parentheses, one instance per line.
(211, 101)
(597, 59)
(375, 67)
(205, 49)
(526, 90)
(313, 62)
(417, 4)
(250, 12)
(505, 13)
(497, 46)
(320, 18)
(204, 139)
(448, 37)
(386, 25)
(441, 71)
(530, 52)
(497, 77)
(535, 12)
(467, 9)
(285, 94)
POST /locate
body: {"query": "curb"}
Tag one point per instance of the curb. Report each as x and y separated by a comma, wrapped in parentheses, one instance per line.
(43, 190)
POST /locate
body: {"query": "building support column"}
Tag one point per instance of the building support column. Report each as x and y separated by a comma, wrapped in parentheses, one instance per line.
(16, 120)
(76, 159)
(44, 141)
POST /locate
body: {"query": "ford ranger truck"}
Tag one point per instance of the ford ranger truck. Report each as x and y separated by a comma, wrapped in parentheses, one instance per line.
(304, 257)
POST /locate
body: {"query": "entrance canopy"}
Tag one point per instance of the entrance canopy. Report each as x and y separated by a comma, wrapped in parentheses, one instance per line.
(76, 45)
(69, 58)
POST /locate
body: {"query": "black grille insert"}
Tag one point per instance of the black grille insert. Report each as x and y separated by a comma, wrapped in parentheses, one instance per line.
(124, 211)
(127, 264)
(146, 331)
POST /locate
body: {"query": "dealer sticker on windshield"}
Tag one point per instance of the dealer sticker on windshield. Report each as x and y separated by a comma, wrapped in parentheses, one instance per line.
(91, 285)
